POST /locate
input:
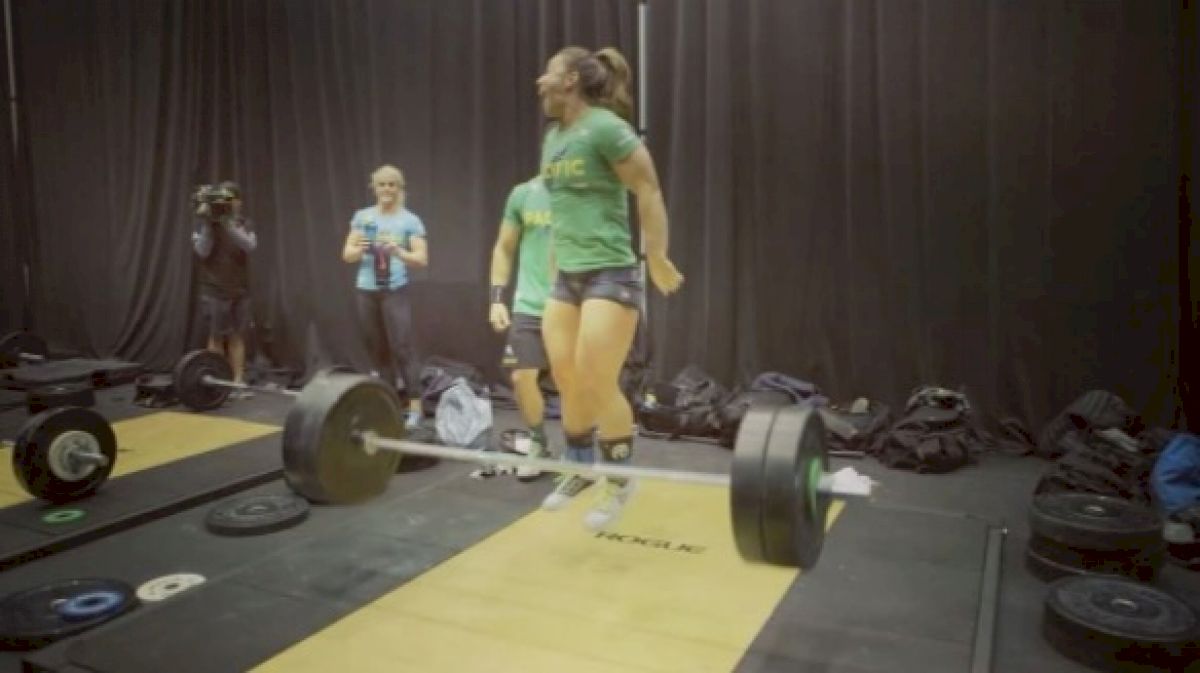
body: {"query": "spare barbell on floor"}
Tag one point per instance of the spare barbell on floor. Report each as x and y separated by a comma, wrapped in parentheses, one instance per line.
(202, 381)
(21, 346)
(343, 438)
(63, 454)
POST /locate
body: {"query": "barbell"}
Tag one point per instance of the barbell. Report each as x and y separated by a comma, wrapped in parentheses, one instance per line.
(343, 438)
(20, 346)
(63, 454)
(202, 382)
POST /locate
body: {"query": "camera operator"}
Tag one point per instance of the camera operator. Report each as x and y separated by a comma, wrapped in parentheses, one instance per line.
(223, 241)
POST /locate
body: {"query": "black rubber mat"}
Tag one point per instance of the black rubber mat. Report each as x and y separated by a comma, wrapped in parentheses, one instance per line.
(11, 399)
(100, 373)
(893, 591)
(896, 589)
(271, 591)
(134, 499)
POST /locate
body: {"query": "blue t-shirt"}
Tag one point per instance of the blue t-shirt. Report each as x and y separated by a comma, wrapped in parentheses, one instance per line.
(380, 271)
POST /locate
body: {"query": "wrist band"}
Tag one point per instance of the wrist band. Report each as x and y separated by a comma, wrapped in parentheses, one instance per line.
(497, 294)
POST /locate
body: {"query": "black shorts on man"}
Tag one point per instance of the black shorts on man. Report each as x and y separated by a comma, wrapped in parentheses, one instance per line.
(225, 316)
(525, 348)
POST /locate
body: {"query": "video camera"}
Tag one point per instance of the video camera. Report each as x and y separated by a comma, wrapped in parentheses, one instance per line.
(214, 201)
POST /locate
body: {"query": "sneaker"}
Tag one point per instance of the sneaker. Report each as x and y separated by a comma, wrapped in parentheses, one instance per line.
(412, 420)
(610, 505)
(569, 486)
(240, 394)
(526, 473)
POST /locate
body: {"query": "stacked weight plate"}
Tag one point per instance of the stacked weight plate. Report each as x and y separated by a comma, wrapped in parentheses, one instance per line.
(1087, 534)
(1117, 624)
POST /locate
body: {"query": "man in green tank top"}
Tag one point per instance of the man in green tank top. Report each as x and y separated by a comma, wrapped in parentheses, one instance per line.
(524, 235)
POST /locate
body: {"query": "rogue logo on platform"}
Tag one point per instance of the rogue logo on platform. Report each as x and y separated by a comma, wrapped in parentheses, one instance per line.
(653, 543)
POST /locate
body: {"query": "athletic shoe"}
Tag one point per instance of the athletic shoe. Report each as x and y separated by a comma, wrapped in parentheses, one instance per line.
(611, 503)
(569, 486)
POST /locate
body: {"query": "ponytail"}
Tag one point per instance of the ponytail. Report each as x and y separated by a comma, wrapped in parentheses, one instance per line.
(616, 96)
(604, 78)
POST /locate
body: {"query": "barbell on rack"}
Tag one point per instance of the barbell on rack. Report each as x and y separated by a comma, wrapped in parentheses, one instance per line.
(63, 454)
(21, 346)
(344, 436)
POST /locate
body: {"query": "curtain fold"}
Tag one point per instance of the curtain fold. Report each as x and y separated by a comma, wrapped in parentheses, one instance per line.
(877, 195)
(135, 103)
(14, 230)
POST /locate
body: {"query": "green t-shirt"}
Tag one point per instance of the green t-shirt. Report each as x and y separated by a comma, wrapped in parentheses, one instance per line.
(591, 219)
(528, 210)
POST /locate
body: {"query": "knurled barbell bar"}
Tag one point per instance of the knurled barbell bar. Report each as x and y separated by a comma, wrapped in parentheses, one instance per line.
(63, 454)
(344, 436)
(21, 346)
(202, 380)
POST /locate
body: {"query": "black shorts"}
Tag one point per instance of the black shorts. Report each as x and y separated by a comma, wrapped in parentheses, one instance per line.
(525, 349)
(623, 285)
(225, 316)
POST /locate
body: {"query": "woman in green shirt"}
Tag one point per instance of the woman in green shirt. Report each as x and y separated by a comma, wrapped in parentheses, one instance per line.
(591, 156)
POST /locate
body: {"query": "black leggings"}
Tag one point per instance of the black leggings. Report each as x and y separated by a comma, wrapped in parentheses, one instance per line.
(386, 317)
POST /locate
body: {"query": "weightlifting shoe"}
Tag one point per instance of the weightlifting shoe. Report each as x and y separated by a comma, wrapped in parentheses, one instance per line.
(608, 508)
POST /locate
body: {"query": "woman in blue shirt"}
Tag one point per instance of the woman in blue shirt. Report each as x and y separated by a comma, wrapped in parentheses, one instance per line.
(384, 240)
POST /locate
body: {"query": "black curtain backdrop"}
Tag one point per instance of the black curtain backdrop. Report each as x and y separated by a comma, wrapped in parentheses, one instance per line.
(875, 195)
(133, 103)
(871, 195)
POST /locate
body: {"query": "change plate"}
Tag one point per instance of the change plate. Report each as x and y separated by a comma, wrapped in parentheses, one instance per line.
(257, 514)
(162, 588)
(322, 458)
(62, 516)
(37, 617)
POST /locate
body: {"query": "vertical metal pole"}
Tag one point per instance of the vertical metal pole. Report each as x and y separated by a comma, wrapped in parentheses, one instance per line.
(11, 62)
(12, 72)
(643, 18)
